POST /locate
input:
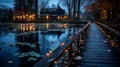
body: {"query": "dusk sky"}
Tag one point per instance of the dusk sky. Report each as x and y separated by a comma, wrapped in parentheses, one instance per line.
(10, 3)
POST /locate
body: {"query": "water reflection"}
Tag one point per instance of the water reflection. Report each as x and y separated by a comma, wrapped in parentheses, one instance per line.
(27, 27)
(47, 25)
(25, 44)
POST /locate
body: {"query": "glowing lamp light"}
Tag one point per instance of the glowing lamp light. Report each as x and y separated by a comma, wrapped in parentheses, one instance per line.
(66, 50)
(58, 17)
(70, 37)
(82, 41)
(33, 29)
(113, 42)
(73, 54)
(55, 62)
(68, 47)
(76, 49)
(47, 25)
(76, 15)
(62, 44)
(50, 51)
(47, 54)
(47, 17)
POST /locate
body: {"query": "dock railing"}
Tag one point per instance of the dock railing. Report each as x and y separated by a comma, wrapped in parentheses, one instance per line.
(111, 34)
(63, 55)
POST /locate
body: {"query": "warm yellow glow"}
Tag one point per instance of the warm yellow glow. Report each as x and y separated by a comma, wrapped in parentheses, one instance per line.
(47, 54)
(82, 41)
(47, 17)
(20, 17)
(50, 52)
(26, 14)
(113, 42)
(73, 54)
(47, 25)
(55, 62)
(65, 17)
(58, 17)
(76, 15)
(27, 17)
(62, 44)
(33, 28)
(29, 27)
(66, 50)
(33, 15)
(65, 25)
(104, 14)
(14, 17)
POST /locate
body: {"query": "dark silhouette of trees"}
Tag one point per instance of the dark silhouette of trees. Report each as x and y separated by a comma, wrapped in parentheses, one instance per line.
(36, 10)
(112, 7)
(42, 4)
(73, 8)
(26, 7)
(78, 12)
(10, 15)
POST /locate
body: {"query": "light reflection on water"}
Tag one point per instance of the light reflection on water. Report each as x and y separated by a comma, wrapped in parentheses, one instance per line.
(41, 36)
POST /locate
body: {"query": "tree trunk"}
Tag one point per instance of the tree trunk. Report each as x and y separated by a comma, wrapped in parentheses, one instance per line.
(78, 12)
(108, 15)
(36, 10)
(74, 9)
(115, 5)
(69, 12)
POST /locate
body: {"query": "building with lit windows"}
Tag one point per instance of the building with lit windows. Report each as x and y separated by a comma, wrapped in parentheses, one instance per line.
(24, 10)
(53, 13)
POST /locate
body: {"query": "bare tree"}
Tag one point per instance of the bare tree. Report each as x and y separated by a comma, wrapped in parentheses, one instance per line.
(69, 6)
(78, 12)
(74, 8)
(42, 4)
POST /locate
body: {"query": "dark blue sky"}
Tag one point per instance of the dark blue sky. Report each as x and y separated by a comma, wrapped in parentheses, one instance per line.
(8, 3)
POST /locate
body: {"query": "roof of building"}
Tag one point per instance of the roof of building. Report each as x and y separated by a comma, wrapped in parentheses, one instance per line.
(53, 11)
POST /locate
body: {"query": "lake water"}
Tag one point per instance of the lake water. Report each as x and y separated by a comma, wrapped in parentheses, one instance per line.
(23, 44)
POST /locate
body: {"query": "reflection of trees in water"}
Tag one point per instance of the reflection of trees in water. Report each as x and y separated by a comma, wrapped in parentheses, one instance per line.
(29, 49)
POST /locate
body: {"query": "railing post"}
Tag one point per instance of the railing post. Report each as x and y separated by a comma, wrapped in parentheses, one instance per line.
(78, 41)
(70, 52)
(119, 44)
(64, 56)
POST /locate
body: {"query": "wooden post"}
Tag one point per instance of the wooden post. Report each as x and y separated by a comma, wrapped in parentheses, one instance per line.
(78, 42)
(70, 52)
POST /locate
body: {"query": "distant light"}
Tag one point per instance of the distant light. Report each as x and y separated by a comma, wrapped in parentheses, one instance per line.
(50, 51)
(10, 62)
(73, 54)
(66, 50)
(69, 37)
(62, 44)
(55, 62)
(76, 49)
(47, 25)
(76, 15)
(47, 17)
(47, 54)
